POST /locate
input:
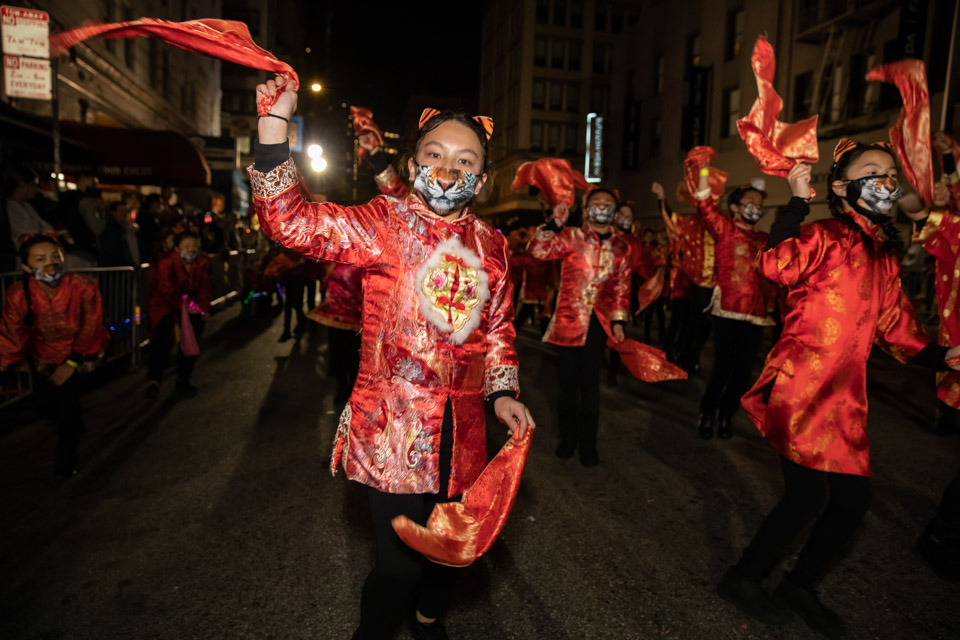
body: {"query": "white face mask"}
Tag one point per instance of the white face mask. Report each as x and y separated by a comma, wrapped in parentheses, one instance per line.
(50, 279)
(600, 215)
(624, 224)
(445, 189)
(751, 213)
(188, 256)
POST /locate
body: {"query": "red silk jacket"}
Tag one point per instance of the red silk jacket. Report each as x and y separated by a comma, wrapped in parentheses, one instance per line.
(437, 325)
(535, 277)
(173, 281)
(940, 236)
(594, 277)
(342, 305)
(693, 244)
(810, 402)
(740, 293)
(69, 322)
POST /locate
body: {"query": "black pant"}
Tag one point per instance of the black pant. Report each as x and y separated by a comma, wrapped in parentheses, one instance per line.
(399, 569)
(737, 344)
(579, 388)
(656, 308)
(160, 344)
(946, 524)
(293, 290)
(805, 499)
(344, 359)
(62, 404)
(679, 318)
(697, 330)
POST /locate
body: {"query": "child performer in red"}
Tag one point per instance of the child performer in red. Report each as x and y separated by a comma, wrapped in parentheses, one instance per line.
(437, 338)
(623, 227)
(594, 294)
(739, 304)
(341, 311)
(53, 321)
(184, 281)
(810, 401)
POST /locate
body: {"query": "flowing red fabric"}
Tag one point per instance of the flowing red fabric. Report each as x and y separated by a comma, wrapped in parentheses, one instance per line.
(776, 146)
(651, 290)
(188, 339)
(911, 133)
(224, 39)
(698, 158)
(643, 361)
(362, 120)
(555, 178)
(458, 533)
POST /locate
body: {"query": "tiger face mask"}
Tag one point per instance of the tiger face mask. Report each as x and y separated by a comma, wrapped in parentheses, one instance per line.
(880, 193)
(443, 189)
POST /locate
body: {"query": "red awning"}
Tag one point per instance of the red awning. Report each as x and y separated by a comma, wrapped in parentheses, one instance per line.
(140, 156)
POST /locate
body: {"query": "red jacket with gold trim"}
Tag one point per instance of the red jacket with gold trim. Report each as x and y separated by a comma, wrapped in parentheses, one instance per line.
(437, 325)
(594, 277)
(71, 321)
(740, 293)
(693, 246)
(810, 402)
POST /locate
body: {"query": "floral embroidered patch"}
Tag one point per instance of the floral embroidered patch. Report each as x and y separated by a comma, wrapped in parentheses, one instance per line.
(453, 289)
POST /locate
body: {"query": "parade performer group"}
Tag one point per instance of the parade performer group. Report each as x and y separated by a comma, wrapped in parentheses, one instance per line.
(429, 287)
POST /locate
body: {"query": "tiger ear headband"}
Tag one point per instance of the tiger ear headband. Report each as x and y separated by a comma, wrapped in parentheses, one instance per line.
(485, 122)
(846, 145)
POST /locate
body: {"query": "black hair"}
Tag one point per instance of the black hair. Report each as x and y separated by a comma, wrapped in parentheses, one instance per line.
(893, 243)
(737, 194)
(33, 241)
(16, 176)
(457, 116)
(183, 235)
(147, 202)
(605, 190)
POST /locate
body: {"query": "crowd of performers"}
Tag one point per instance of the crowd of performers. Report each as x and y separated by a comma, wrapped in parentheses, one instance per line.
(426, 290)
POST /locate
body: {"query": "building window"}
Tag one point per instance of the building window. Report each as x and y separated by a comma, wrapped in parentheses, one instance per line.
(570, 139)
(693, 51)
(556, 96)
(802, 94)
(735, 25)
(573, 97)
(599, 57)
(616, 19)
(539, 93)
(560, 13)
(543, 11)
(655, 136)
(153, 52)
(731, 111)
(598, 98)
(553, 137)
(536, 136)
(576, 14)
(556, 53)
(540, 52)
(661, 67)
(575, 48)
(110, 8)
(857, 86)
(600, 16)
(633, 15)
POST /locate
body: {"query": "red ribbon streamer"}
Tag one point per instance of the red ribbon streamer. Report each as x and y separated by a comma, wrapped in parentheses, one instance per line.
(911, 133)
(224, 39)
(776, 146)
(698, 158)
(458, 533)
(362, 120)
(555, 178)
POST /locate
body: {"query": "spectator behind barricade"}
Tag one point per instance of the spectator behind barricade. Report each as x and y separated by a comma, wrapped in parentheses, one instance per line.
(149, 219)
(20, 185)
(84, 214)
(118, 242)
(182, 290)
(52, 323)
(213, 242)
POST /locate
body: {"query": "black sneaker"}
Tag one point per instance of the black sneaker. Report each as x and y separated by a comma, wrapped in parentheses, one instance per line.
(807, 605)
(705, 425)
(186, 389)
(426, 631)
(724, 429)
(750, 598)
(284, 336)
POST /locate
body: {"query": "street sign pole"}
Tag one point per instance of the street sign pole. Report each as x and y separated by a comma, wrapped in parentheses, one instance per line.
(946, 87)
(55, 113)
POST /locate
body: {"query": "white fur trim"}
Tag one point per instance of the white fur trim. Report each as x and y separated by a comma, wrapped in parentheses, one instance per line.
(716, 308)
(434, 315)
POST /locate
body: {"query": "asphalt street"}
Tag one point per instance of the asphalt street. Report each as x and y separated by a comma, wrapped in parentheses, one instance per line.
(216, 517)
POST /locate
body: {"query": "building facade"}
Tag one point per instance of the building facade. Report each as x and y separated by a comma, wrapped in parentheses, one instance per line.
(545, 65)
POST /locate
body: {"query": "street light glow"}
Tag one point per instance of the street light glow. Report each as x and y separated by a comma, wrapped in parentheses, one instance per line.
(315, 87)
(318, 164)
(314, 151)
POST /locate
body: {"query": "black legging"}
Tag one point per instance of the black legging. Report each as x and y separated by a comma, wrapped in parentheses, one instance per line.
(679, 318)
(160, 344)
(804, 500)
(697, 328)
(62, 404)
(399, 569)
(656, 308)
(344, 358)
(579, 390)
(737, 344)
(293, 290)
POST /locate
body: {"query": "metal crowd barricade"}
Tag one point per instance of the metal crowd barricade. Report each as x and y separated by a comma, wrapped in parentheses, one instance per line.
(121, 314)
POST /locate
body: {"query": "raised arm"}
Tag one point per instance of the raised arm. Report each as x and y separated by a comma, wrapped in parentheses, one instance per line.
(550, 242)
(717, 223)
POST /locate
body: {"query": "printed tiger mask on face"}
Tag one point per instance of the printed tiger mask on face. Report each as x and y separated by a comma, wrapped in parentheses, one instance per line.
(444, 189)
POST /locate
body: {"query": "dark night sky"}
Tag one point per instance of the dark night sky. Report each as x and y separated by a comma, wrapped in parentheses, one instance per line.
(381, 54)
